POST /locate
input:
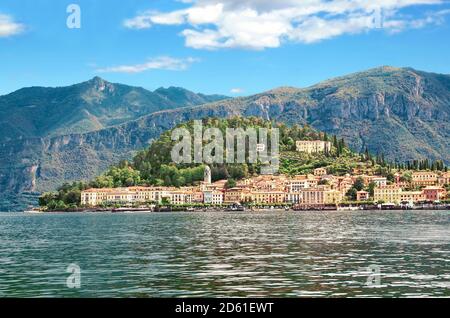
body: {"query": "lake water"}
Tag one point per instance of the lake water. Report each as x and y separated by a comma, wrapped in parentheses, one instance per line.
(278, 254)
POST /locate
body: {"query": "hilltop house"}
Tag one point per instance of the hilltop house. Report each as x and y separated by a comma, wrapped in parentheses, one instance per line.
(312, 146)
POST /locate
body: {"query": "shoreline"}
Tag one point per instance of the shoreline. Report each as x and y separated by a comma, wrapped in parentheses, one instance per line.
(220, 210)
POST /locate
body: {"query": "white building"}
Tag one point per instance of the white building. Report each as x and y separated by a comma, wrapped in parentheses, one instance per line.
(312, 146)
(380, 181)
(212, 197)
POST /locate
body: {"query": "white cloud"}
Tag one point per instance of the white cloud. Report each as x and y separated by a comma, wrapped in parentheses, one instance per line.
(158, 63)
(9, 27)
(236, 90)
(142, 21)
(260, 24)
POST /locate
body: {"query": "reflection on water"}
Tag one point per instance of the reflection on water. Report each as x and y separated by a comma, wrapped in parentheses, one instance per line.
(279, 254)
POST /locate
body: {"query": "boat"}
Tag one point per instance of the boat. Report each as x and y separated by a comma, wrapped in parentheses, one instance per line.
(348, 208)
(236, 207)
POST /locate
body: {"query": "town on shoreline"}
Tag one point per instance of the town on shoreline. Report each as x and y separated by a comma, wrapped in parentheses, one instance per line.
(317, 191)
(418, 186)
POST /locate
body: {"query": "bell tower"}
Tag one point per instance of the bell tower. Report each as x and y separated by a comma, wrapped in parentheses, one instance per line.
(207, 175)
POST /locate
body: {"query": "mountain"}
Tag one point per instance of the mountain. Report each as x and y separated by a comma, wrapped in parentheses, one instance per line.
(183, 97)
(401, 112)
(89, 106)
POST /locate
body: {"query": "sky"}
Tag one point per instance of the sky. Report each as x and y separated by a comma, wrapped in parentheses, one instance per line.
(231, 47)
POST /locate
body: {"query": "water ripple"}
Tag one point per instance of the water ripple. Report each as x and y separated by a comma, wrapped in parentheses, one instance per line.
(308, 254)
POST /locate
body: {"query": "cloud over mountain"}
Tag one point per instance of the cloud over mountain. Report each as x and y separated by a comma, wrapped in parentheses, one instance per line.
(158, 63)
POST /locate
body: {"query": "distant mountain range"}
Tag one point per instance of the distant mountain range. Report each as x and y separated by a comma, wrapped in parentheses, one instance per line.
(89, 106)
(51, 135)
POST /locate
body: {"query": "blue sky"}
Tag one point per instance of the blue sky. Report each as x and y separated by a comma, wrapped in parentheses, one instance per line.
(216, 46)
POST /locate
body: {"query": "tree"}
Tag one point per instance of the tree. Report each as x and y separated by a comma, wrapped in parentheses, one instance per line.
(359, 184)
(46, 199)
(231, 183)
(367, 154)
(371, 188)
(351, 194)
(335, 142)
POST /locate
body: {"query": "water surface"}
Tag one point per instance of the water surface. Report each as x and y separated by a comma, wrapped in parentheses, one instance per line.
(278, 254)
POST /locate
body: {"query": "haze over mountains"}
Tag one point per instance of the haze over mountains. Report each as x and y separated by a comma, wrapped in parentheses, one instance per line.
(52, 135)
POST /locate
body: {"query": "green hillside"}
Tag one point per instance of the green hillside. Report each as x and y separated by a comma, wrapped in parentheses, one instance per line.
(154, 165)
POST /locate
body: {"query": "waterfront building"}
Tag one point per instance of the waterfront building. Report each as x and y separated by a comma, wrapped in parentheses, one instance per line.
(160, 194)
(179, 197)
(332, 197)
(412, 196)
(213, 197)
(388, 194)
(293, 197)
(125, 196)
(313, 197)
(432, 193)
(234, 195)
(319, 196)
(96, 197)
(267, 197)
(312, 146)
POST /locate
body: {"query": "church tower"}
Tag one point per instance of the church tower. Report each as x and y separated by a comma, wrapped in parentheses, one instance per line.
(207, 175)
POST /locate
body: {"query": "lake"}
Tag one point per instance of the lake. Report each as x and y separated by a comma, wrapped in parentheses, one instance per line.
(269, 254)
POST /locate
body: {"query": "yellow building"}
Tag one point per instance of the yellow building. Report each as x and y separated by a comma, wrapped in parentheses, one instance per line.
(444, 178)
(412, 196)
(332, 197)
(388, 194)
(268, 197)
(424, 178)
(234, 195)
(312, 146)
(97, 197)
